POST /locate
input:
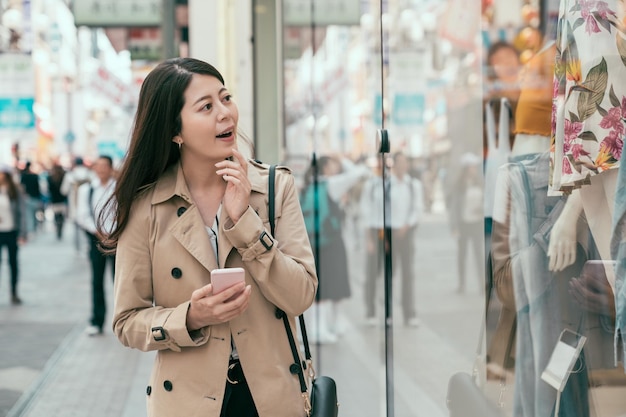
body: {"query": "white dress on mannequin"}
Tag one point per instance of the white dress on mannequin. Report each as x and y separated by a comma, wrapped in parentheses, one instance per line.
(589, 124)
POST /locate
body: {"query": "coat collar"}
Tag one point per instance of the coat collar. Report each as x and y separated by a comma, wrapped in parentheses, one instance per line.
(257, 174)
(193, 238)
(172, 182)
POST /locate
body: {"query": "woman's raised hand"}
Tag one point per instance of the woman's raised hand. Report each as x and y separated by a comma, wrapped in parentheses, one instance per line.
(237, 195)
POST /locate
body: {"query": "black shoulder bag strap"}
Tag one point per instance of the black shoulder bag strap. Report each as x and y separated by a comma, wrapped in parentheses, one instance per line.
(294, 350)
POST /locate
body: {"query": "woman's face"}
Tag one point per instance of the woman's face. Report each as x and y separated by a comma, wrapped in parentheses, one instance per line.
(209, 119)
(506, 64)
(400, 165)
(331, 168)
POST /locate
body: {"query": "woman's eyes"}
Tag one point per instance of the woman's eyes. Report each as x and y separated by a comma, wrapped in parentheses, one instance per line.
(228, 98)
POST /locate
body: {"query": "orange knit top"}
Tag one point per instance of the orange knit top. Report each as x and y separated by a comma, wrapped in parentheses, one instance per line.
(534, 109)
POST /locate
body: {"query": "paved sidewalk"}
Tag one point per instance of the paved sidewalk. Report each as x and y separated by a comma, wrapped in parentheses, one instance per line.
(51, 368)
(54, 287)
(90, 376)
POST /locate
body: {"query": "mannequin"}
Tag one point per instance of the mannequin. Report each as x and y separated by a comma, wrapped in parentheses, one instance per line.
(596, 202)
(523, 209)
(588, 168)
(503, 338)
(542, 302)
(581, 115)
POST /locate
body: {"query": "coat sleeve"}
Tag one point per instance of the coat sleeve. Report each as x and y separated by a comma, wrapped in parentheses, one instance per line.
(137, 322)
(285, 272)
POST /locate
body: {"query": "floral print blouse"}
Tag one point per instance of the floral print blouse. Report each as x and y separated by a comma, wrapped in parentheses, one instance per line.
(589, 107)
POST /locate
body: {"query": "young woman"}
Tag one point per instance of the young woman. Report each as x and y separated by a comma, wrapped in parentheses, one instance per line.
(12, 225)
(187, 202)
(322, 208)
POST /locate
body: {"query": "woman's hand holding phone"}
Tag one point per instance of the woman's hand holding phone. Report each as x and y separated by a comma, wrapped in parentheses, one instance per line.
(209, 307)
(223, 278)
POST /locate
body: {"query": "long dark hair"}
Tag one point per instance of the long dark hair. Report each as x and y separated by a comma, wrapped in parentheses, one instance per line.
(12, 187)
(151, 150)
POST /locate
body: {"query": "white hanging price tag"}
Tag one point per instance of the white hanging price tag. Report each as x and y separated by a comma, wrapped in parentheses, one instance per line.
(565, 354)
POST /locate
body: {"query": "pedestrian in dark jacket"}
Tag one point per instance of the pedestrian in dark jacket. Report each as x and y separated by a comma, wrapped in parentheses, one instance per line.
(33, 202)
(12, 228)
(58, 200)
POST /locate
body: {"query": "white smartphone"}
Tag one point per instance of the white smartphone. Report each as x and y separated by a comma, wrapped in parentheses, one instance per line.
(223, 278)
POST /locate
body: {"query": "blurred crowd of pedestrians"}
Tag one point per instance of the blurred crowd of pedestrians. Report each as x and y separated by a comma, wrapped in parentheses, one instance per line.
(30, 195)
(342, 201)
(347, 205)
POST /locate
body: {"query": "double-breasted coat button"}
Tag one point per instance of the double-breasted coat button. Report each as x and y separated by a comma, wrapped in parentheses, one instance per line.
(167, 385)
(180, 211)
(278, 313)
(294, 368)
(177, 273)
(149, 390)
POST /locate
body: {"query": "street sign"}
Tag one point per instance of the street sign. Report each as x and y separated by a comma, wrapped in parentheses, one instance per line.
(17, 92)
(17, 113)
(408, 109)
(326, 12)
(70, 137)
(117, 13)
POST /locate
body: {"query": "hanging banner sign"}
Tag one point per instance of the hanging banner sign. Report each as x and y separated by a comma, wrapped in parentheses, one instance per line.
(321, 12)
(17, 113)
(110, 86)
(118, 13)
(17, 92)
(408, 109)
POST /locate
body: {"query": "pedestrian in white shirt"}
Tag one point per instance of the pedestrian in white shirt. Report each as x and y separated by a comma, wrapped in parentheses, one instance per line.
(406, 205)
(90, 199)
(79, 175)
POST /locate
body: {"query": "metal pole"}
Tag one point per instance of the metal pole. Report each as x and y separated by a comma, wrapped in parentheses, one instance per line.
(168, 27)
(384, 148)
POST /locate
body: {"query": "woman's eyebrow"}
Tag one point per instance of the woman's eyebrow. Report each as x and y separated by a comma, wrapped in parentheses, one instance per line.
(209, 96)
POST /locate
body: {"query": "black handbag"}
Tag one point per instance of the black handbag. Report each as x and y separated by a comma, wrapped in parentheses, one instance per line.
(322, 401)
(324, 397)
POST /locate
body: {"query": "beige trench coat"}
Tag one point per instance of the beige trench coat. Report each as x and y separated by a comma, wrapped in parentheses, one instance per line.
(165, 254)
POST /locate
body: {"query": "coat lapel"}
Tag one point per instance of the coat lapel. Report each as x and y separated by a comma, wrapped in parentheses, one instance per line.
(187, 229)
(224, 245)
(194, 238)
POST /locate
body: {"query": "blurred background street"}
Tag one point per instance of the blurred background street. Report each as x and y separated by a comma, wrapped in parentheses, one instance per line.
(311, 79)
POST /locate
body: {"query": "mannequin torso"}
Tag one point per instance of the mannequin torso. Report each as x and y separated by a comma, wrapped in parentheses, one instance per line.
(527, 144)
